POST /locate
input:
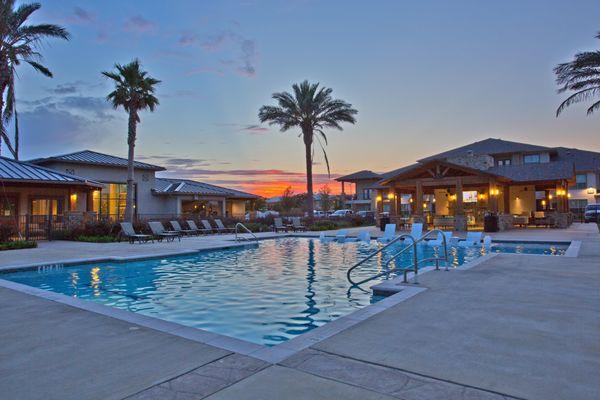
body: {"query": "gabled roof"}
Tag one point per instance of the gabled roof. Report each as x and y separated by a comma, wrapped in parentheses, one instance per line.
(488, 146)
(359, 176)
(94, 158)
(22, 172)
(535, 172)
(421, 167)
(170, 186)
(582, 159)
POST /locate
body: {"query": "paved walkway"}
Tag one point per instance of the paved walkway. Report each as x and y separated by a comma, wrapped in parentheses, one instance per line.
(514, 326)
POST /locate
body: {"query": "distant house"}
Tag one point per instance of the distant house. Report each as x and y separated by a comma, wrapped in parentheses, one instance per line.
(96, 183)
(364, 182)
(460, 185)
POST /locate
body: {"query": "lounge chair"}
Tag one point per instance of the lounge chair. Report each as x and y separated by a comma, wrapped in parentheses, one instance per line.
(130, 233)
(297, 225)
(177, 228)
(364, 236)
(278, 225)
(208, 227)
(194, 227)
(221, 228)
(389, 234)
(472, 239)
(340, 236)
(439, 241)
(416, 230)
(325, 239)
(158, 230)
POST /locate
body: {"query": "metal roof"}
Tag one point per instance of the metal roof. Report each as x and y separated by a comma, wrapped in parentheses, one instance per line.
(95, 158)
(188, 187)
(359, 176)
(488, 146)
(535, 172)
(18, 171)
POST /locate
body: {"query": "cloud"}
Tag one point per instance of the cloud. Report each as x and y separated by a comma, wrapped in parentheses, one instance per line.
(94, 109)
(248, 58)
(72, 87)
(187, 39)
(139, 24)
(82, 15)
(255, 129)
(206, 70)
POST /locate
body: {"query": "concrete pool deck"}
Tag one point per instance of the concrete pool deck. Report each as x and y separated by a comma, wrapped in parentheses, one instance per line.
(514, 326)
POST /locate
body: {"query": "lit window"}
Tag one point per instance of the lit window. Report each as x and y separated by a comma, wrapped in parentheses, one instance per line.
(505, 161)
(581, 181)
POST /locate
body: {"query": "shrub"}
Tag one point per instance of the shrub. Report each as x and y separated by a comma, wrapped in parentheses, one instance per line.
(96, 238)
(257, 227)
(8, 230)
(325, 225)
(18, 244)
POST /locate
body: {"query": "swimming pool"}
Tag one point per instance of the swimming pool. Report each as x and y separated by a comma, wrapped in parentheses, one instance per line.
(266, 293)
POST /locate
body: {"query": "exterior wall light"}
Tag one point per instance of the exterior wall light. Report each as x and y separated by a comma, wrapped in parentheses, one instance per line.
(410, 200)
(544, 203)
(550, 197)
(569, 195)
(378, 198)
(424, 205)
(591, 190)
(391, 196)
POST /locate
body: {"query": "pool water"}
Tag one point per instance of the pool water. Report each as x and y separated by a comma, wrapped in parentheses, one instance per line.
(266, 293)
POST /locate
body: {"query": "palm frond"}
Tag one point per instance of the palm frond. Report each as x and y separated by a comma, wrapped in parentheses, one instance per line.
(40, 68)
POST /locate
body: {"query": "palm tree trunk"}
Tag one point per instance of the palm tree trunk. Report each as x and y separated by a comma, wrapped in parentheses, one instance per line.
(309, 179)
(131, 134)
(1, 117)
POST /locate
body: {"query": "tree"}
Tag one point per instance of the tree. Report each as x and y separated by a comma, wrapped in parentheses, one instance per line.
(326, 200)
(582, 76)
(134, 91)
(19, 42)
(311, 109)
(287, 200)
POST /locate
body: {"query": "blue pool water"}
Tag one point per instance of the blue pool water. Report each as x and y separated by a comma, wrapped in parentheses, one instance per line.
(265, 294)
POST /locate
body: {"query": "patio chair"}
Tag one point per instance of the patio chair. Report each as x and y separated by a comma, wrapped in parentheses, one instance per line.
(158, 230)
(297, 225)
(194, 227)
(221, 228)
(389, 234)
(439, 241)
(130, 233)
(472, 239)
(177, 228)
(278, 225)
(208, 226)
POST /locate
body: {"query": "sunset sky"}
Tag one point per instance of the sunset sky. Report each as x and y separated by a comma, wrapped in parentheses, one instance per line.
(425, 76)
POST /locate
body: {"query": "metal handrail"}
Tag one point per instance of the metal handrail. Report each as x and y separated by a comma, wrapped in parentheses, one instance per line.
(416, 260)
(238, 225)
(396, 239)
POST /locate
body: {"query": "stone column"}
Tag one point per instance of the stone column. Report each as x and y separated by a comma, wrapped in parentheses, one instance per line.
(460, 221)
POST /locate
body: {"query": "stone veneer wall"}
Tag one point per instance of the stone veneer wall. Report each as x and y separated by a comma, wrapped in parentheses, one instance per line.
(481, 162)
(505, 222)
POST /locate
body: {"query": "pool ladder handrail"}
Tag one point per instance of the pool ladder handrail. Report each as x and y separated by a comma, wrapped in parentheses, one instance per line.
(416, 261)
(238, 238)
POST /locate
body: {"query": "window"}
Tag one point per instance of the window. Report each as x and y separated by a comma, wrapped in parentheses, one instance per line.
(47, 206)
(504, 161)
(8, 206)
(110, 202)
(581, 181)
(531, 159)
(366, 194)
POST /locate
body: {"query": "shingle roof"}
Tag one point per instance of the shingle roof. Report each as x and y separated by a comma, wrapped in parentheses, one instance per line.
(358, 176)
(488, 146)
(582, 159)
(535, 172)
(189, 187)
(18, 171)
(95, 158)
(391, 174)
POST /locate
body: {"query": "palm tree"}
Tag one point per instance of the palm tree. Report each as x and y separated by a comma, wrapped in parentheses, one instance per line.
(19, 43)
(312, 109)
(134, 91)
(582, 76)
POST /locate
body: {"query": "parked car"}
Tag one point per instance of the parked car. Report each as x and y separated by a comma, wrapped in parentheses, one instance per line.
(341, 213)
(592, 213)
(366, 214)
(319, 214)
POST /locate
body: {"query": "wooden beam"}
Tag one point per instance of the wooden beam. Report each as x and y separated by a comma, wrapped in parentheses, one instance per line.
(459, 197)
(418, 201)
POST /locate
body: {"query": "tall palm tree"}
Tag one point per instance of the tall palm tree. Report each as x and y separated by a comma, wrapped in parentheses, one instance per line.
(134, 91)
(19, 43)
(312, 109)
(582, 76)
